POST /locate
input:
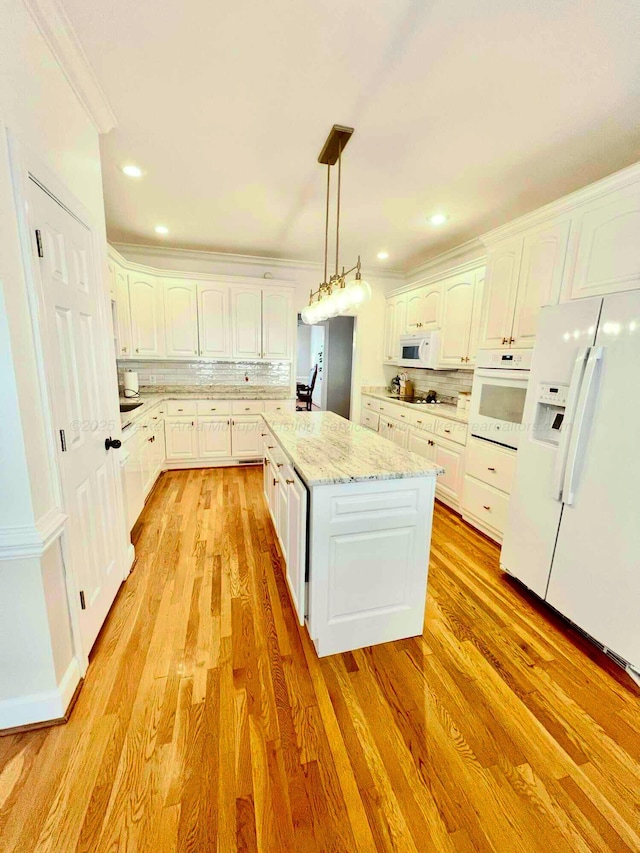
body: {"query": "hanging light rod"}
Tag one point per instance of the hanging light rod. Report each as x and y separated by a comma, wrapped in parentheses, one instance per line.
(335, 144)
(334, 295)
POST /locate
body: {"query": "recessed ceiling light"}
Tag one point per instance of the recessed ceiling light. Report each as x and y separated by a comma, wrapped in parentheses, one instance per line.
(162, 229)
(132, 171)
(438, 219)
(382, 256)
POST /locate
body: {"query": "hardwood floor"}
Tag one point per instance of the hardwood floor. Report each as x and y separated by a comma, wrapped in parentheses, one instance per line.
(207, 723)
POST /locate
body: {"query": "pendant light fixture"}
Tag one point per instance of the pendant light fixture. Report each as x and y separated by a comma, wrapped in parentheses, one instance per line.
(335, 296)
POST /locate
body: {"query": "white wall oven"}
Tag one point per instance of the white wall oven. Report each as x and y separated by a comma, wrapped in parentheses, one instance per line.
(498, 396)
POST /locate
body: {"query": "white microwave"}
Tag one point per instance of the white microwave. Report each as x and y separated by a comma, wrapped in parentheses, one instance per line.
(420, 350)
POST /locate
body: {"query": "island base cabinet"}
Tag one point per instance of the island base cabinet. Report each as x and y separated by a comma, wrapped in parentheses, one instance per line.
(368, 562)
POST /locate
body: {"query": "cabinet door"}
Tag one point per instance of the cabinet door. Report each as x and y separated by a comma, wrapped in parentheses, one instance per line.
(503, 268)
(147, 320)
(123, 312)
(214, 438)
(456, 319)
(476, 317)
(540, 279)
(385, 427)
(608, 253)
(246, 322)
(277, 323)
(133, 479)
(431, 307)
(111, 266)
(400, 325)
(282, 526)
(246, 439)
(415, 309)
(181, 319)
(451, 458)
(181, 438)
(214, 320)
(422, 444)
(297, 544)
(389, 329)
(398, 433)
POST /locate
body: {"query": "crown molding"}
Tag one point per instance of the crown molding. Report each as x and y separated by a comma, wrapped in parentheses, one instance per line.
(119, 251)
(566, 204)
(423, 270)
(61, 38)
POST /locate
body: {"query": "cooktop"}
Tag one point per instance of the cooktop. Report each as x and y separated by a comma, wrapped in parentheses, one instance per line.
(415, 399)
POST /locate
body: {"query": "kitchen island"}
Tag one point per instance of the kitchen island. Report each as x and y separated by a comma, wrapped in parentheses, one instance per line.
(353, 514)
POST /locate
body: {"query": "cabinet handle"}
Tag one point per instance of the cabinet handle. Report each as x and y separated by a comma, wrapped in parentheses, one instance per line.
(290, 482)
(181, 410)
(266, 461)
(229, 422)
(447, 430)
(491, 469)
(488, 508)
(124, 349)
(270, 446)
(279, 464)
(512, 340)
(263, 435)
(504, 341)
(137, 350)
(418, 422)
(247, 408)
(461, 358)
(275, 482)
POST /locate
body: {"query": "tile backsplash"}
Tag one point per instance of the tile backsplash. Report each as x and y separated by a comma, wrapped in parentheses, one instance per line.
(446, 383)
(274, 374)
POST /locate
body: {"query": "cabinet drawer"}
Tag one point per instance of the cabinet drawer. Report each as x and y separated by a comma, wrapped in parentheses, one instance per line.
(179, 408)
(279, 405)
(393, 410)
(451, 430)
(214, 407)
(491, 464)
(423, 420)
(485, 503)
(369, 420)
(370, 404)
(247, 407)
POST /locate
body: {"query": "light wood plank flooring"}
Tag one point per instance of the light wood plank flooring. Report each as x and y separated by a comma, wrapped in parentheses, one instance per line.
(206, 722)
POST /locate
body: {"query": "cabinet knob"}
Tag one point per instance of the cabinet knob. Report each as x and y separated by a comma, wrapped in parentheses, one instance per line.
(137, 350)
(491, 469)
(270, 446)
(112, 442)
(275, 482)
(124, 349)
(447, 430)
(488, 508)
(279, 464)
(504, 341)
(266, 461)
(512, 340)
(290, 482)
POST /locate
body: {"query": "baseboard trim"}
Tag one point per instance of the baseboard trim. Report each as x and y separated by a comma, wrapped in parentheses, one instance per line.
(49, 708)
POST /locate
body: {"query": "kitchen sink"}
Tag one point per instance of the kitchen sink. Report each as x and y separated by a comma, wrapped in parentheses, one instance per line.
(128, 407)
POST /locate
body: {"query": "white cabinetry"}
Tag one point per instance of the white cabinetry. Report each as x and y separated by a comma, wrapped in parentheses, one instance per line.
(246, 441)
(214, 322)
(246, 322)
(277, 323)
(523, 274)
(214, 437)
(147, 315)
(297, 542)
(181, 438)
(123, 311)
(462, 296)
(395, 325)
(423, 308)
(488, 477)
(181, 319)
(607, 254)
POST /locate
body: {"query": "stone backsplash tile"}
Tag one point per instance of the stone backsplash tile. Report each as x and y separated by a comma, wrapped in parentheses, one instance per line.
(273, 374)
(446, 383)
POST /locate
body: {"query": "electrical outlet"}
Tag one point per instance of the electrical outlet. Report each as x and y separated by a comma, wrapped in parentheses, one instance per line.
(153, 379)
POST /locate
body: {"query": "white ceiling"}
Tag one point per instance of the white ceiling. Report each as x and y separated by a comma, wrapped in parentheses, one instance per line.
(485, 110)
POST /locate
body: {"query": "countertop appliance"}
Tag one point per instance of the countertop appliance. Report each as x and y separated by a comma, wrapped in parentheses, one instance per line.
(573, 535)
(421, 350)
(498, 395)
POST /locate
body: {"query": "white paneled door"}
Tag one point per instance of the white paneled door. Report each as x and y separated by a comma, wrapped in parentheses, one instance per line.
(74, 323)
(181, 319)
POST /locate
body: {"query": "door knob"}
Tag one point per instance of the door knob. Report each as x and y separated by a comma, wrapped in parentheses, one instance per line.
(112, 442)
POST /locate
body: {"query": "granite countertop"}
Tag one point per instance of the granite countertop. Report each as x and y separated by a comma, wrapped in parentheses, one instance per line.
(149, 399)
(325, 448)
(444, 410)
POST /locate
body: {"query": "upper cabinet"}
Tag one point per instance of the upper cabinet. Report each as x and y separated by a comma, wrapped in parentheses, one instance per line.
(246, 322)
(462, 298)
(181, 319)
(122, 312)
(147, 315)
(277, 323)
(423, 308)
(395, 324)
(214, 322)
(606, 257)
(523, 274)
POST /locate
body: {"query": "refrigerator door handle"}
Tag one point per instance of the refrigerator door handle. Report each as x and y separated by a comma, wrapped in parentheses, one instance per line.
(569, 415)
(568, 490)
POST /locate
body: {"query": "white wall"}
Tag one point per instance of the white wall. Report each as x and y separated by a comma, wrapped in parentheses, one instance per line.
(41, 112)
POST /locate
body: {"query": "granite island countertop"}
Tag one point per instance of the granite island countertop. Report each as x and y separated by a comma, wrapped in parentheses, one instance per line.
(325, 448)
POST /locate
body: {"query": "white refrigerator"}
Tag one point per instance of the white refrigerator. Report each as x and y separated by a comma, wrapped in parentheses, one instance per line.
(573, 531)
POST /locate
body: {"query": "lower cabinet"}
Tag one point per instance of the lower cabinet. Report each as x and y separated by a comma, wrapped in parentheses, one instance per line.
(394, 430)
(489, 474)
(214, 437)
(447, 455)
(181, 438)
(246, 440)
